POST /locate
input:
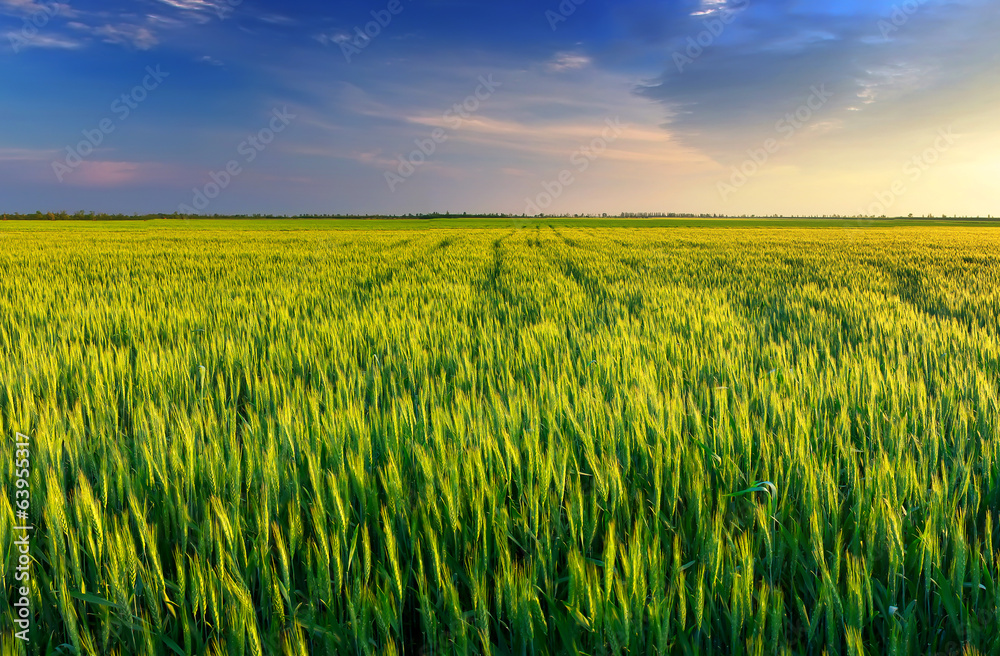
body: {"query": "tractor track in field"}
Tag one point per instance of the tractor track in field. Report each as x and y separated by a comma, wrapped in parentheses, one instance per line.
(514, 308)
(363, 290)
(599, 289)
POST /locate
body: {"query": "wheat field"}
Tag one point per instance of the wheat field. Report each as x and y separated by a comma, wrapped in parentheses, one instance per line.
(531, 440)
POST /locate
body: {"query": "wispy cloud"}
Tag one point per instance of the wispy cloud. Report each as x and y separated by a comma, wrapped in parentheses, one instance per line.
(26, 155)
(892, 81)
(712, 7)
(135, 36)
(56, 41)
(38, 29)
(568, 61)
(744, 85)
(193, 5)
(31, 7)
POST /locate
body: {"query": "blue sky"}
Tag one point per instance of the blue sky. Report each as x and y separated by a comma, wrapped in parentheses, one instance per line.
(719, 106)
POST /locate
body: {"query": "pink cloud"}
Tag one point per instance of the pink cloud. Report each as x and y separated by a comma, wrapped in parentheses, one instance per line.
(117, 174)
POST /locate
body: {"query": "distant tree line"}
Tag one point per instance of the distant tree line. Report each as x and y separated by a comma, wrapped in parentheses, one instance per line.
(665, 215)
(102, 216)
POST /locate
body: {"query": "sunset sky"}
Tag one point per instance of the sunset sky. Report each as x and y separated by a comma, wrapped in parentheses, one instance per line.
(703, 106)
